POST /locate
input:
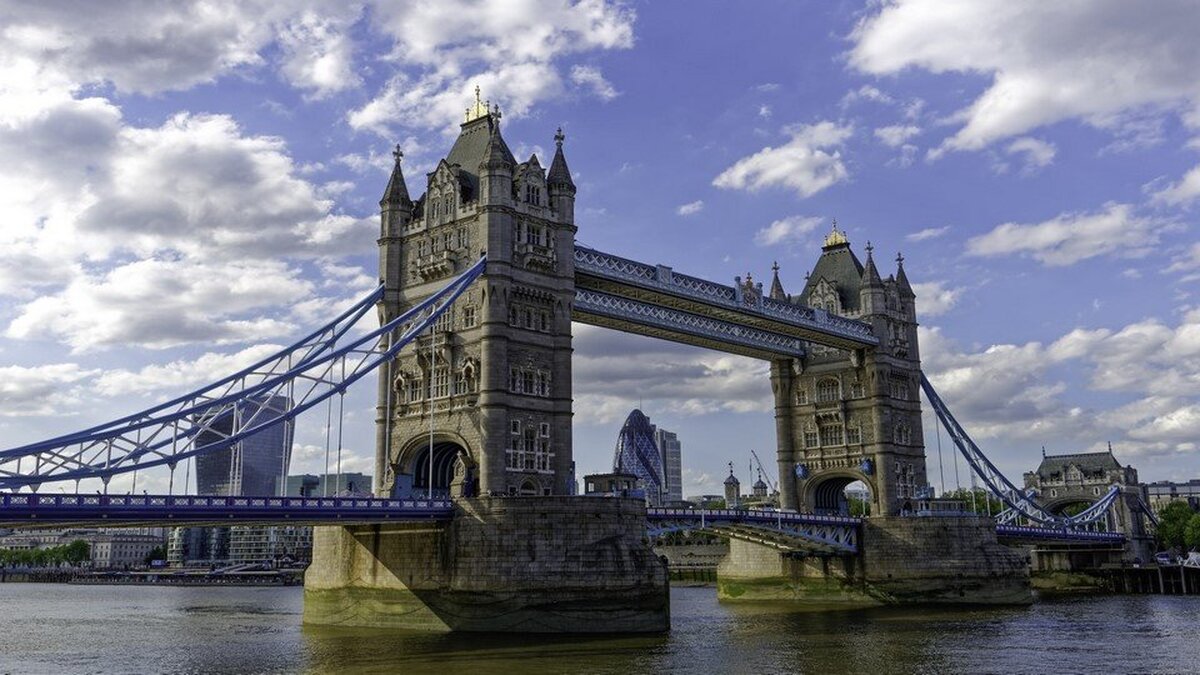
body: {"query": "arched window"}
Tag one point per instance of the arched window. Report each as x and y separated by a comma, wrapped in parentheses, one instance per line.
(902, 434)
(828, 390)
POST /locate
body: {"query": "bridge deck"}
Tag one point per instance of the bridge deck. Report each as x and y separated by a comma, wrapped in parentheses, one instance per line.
(29, 510)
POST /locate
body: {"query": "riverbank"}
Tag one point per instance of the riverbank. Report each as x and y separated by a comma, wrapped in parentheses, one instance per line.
(155, 577)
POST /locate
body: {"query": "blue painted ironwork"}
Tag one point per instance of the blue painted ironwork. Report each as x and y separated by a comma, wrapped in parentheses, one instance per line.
(1057, 534)
(26, 509)
(839, 533)
(662, 278)
(1000, 486)
(168, 433)
(677, 321)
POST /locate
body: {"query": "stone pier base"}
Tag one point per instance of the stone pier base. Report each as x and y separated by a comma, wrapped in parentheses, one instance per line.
(901, 561)
(507, 564)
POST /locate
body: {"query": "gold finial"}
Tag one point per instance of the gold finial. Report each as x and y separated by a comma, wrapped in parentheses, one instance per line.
(835, 237)
(479, 108)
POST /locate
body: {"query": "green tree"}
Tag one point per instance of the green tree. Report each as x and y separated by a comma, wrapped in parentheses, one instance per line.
(76, 552)
(1172, 524)
(1191, 533)
(859, 507)
(158, 553)
(981, 502)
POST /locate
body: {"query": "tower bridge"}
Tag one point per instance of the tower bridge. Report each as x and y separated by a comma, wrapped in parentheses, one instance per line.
(481, 280)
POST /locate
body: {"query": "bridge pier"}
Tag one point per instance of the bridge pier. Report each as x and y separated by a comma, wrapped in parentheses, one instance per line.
(942, 560)
(502, 564)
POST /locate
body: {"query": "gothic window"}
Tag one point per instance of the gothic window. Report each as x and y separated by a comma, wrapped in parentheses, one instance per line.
(810, 439)
(514, 319)
(545, 322)
(827, 390)
(529, 318)
(460, 383)
(544, 430)
(447, 204)
(447, 241)
(464, 237)
(853, 435)
(441, 382)
(533, 195)
(857, 390)
(433, 206)
(415, 390)
(801, 395)
(543, 384)
(899, 389)
(831, 434)
(515, 426)
(445, 322)
(902, 434)
(422, 248)
(468, 316)
(514, 380)
(529, 443)
(527, 382)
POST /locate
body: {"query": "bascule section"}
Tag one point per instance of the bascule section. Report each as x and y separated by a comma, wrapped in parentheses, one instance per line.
(482, 404)
(845, 416)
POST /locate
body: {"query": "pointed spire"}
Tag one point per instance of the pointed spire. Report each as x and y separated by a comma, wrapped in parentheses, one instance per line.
(396, 193)
(496, 153)
(902, 278)
(560, 175)
(870, 276)
(776, 287)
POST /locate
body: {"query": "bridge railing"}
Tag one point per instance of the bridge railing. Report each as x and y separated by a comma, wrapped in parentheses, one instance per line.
(156, 502)
(1057, 533)
(757, 515)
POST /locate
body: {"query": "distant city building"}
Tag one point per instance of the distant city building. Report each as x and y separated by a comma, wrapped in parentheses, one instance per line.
(1079, 478)
(270, 544)
(733, 490)
(613, 484)
(330, 485)
(1163, 492)
(636, 453)
(759, 490)
(115, 550)
(252, 466)
(672, 454)
(707, 501)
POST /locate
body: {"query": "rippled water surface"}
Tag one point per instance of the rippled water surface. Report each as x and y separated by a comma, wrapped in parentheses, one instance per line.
(50, 628)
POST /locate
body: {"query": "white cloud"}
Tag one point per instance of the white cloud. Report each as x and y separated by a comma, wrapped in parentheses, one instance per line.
(318, 53)
(668, 377)
(590, 77)
(806, 164)
(508, 49)
(866, 93)
(1047, 61)
(181, 374)
(934, 298)
(927, 233)
(784, 230)
(51, 389)
(896, 135)
(1186, 191)
(1070, 237)
(159, 303)
(691, 208)
(1036, 153)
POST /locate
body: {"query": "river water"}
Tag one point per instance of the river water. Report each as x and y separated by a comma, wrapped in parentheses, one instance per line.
(52, 628)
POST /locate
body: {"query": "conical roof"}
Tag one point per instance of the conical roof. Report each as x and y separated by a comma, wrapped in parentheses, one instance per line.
(902, 279)
(560, 174)
(396, 193)
(777, 287)
(870, 276)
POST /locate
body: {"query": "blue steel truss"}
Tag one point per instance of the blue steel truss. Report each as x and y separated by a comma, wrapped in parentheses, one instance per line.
(32, 510)
(677, 321)
(837, 533)
(306, 374)
(1018, 502)
(662, 278)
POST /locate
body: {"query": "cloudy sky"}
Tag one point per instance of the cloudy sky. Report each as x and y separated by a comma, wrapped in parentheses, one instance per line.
(186, 184)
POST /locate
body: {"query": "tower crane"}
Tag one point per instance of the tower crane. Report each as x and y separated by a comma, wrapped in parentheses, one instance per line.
(761, 470)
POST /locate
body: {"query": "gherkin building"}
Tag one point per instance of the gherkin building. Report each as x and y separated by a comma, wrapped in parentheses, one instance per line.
(637, 454)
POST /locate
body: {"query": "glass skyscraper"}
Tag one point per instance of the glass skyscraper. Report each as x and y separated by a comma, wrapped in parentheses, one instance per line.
(637, 453)
(253, 466)
(672, 454)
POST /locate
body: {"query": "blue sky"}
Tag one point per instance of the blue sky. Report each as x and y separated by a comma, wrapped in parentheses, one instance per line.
(189, 183)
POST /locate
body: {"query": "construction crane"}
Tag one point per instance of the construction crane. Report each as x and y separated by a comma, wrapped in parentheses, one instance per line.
(762, 471)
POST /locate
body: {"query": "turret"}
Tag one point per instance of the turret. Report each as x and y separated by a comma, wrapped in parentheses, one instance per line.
(776, 287)
(872, 295)
(733, 490)
(560, 186)
(395, 208)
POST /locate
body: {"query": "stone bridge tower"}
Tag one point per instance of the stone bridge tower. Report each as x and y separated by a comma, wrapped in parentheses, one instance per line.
(843, 417)
(496, 373)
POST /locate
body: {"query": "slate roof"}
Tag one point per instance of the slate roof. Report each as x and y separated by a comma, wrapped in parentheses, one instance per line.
(838, 264)
(1088, 462)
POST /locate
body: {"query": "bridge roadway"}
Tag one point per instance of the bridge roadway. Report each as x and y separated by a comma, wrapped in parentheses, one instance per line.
(820, 534)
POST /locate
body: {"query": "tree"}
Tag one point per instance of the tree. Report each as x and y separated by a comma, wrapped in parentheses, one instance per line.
(158, 553)
(981, 502)
(1191, 533)
(76, 552)
(1172, 523)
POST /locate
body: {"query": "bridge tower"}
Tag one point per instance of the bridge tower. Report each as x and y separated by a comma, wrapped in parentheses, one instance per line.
(496, 373)
(852, 416)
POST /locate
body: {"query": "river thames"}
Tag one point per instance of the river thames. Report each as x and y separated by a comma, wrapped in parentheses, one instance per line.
(52, 628)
